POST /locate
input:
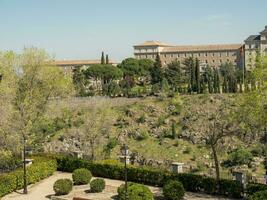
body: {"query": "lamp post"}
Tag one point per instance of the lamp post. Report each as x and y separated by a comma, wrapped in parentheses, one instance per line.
(125, 153)
(25, 190)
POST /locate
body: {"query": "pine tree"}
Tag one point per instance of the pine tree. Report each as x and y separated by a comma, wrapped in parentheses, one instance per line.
(107, 59)
(197, 76)
(102, 58)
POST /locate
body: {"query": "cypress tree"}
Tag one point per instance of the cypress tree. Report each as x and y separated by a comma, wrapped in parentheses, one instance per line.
(102, 58)
(193, 75)
(107, 59)
(156, 72)
(197, 76)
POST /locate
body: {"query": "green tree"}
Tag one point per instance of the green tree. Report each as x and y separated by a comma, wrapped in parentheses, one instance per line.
(9, 139)
(191, 74)
(156, 72)
(38, 82)
(107, 60)
(103, 58)
(173, 75)
(80, 82)
(228, 72)
(213, 126)
(197, 76)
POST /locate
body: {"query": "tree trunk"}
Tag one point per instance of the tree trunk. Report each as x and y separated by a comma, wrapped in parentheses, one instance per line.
(92, 150)
(217, 167)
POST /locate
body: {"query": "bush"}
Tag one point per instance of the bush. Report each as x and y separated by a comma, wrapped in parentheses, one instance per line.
(209, 185)
(261, 195)
(239, 157)
(142, 136)
(62, 186)
(81, 176)
(97, 185)
(40, 169)
(173, 190)
(141, 119)
(135, 192)
(255, 187)
(151, 176)
(8, 162)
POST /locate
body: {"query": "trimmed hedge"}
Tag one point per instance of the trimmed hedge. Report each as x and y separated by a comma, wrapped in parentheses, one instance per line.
(81, 176)
(154, 177)
(135, 192)
(40, 169)
(255, 187)
(97, 185)
(173, 190)
(261, 195)
(62, 186)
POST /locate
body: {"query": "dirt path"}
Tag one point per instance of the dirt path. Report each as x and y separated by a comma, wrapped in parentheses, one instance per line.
(44, 190)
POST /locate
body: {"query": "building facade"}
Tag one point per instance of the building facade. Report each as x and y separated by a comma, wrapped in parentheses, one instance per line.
(69, 65)
(255, 45)
(212, 55)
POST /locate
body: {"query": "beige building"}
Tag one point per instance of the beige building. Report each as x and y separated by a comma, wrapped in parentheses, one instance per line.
(69, 65)
(255, 44)
(212, 55)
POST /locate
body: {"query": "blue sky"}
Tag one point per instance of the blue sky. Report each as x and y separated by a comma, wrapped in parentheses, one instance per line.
(81, 29)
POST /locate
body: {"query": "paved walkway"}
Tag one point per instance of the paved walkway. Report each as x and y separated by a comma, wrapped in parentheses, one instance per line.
(44, 191)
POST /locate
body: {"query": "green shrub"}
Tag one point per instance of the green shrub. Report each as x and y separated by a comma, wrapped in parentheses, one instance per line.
(8, 162)
(81, 176)
(151, 176)
(209, 185)
(255, 187)
(239, 157)
(187, 150)
(230, 188)
(261, 195)
(62, 186)
(40, 169)
(257, 150)
(97, 185)
(141, 119)
(135, 192)
(173, 190)
(142, 136)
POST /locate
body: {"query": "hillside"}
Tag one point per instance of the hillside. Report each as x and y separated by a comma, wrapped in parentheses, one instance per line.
(154, 129)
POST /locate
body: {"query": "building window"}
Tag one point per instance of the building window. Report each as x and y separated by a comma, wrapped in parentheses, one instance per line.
(213, 54)
(227, 53)
(165, 55)
(178, 55)
(185, 55)
(199, 55)
(220, 61)
(220, 54)
(207, 61)
(227, 60)
(213, 61)
(206, 54)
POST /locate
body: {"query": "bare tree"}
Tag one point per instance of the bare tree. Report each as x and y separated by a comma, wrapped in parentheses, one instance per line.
(96, 125)
(212, 125)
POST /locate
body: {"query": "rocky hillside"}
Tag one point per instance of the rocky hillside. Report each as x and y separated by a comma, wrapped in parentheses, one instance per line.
(154, 128)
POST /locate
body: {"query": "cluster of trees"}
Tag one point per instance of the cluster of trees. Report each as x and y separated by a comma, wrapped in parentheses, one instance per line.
(28, 82)
(133, 77)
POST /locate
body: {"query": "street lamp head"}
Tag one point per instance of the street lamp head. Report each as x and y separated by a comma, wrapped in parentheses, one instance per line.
(125, 150)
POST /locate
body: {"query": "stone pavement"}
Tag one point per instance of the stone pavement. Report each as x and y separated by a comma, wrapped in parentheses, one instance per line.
(44, 191)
